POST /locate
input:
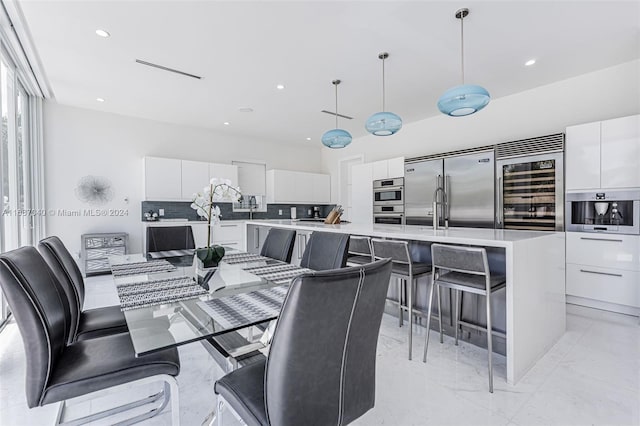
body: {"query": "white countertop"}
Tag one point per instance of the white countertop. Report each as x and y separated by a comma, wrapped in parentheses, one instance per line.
(473, 236)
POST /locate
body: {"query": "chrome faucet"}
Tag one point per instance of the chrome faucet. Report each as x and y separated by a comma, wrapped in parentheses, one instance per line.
(252, 206)
(444, 203)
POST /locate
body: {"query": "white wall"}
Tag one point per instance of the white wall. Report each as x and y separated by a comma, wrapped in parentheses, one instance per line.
(80, 142)
(608, 93)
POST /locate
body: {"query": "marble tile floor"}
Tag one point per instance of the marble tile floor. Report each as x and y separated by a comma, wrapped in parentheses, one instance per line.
(590, 377)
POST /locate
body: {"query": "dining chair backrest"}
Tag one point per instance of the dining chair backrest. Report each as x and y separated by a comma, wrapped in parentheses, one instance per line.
(163, 238)
(468, 260)
(319, 371)
(41, 312)
(325, 250)
(397, 250)
(68, 275)
(279, 244)
(359, 246)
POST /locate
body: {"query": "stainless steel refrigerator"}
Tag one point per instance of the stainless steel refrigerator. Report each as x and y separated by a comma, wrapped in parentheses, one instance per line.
(468, 182)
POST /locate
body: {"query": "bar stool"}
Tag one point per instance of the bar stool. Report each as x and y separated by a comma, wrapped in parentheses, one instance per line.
(405, 270)
(359, 251)
(463, 269)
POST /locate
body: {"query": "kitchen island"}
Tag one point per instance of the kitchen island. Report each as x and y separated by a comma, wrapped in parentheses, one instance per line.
(534, 265)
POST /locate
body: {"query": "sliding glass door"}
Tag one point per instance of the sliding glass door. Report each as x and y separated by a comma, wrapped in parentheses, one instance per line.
(16, 218)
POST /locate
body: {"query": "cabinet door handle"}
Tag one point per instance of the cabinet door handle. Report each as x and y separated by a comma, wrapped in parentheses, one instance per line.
(228, 226)
(256, 240)
(601, 273)
(601, 239)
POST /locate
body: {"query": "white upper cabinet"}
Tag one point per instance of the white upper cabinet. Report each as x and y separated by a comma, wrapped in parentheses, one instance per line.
(224, 171)
(387, 169)
(286, 186)
(395, 167)
(620, 153)
(170, 179)
(162, 179)
(582, 159)
(604, 154)
(195, 177)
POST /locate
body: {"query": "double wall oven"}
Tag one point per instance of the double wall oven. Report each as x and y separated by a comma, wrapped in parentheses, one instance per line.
(388, 201)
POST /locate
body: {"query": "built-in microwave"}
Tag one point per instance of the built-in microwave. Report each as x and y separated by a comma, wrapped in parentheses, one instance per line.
(388, 191)
(607, 211)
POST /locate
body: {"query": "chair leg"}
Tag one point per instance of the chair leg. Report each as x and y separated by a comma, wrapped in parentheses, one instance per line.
(409, 283)
(440, 314)
(219, 411)
(429, 310)
(489, 341)
(451, 320)
(457, 314)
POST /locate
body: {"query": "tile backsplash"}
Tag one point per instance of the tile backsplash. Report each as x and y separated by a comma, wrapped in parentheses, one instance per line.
(183, 210)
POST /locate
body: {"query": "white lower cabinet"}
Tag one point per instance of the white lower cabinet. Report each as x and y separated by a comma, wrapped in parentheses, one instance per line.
(604, 268)
(604, 284)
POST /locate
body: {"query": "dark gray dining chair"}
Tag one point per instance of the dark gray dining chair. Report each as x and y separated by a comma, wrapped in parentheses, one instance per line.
(84, 324)
(279, 244)
(322, 362)
(58, 371)
(166, 238)
(464, 269)
(325, 250)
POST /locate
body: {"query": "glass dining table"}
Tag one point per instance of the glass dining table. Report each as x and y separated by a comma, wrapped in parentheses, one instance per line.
(223, 293)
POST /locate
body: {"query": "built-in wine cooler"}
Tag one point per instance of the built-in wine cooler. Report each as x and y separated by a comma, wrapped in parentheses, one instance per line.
(530, 192)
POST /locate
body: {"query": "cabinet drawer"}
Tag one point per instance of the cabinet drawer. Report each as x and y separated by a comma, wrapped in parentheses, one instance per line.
(102, 253)
(604, 250)
(604, 284)
(223, 232)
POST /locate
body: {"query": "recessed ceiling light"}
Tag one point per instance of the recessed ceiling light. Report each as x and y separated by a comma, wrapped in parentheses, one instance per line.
(308, 139)
(103, 33)
(245, 109)
(226, 123)
(280, 87)
(100, 99)
(530, 62)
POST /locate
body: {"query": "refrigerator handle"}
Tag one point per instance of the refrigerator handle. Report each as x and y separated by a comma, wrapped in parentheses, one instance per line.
(447, 199)
(500, 212)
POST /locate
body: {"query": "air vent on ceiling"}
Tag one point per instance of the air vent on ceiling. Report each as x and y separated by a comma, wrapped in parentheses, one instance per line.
(161, 67)
(334, 114)
(539, 145)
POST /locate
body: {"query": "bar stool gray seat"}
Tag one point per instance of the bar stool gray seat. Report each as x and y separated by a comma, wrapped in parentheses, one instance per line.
(464, 269)
(85, 324)
(406, 271)
(58, 371)
(279, 244)
(318, 372)
(359, 251)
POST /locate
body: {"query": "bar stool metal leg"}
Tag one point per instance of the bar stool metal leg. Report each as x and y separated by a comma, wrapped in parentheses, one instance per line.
(457, 314)
(410, 310)
(429, 310)
(400, 285)
(489, 340)
(439, 313)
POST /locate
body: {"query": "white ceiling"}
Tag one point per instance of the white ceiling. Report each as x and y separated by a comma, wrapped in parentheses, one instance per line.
(244, 49)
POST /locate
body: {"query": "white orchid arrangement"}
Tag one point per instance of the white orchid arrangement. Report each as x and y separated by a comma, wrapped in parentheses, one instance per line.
(218, 190)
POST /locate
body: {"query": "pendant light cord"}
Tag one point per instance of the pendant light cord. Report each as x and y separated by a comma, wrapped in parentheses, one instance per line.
(462, 46)
(336, 84)
(383, 87)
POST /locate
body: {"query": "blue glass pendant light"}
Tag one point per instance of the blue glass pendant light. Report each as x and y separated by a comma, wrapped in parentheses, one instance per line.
(336, 138)
(383, 123)
(464, 99)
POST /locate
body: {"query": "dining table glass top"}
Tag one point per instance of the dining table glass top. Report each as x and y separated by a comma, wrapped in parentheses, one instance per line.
(161, 326)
